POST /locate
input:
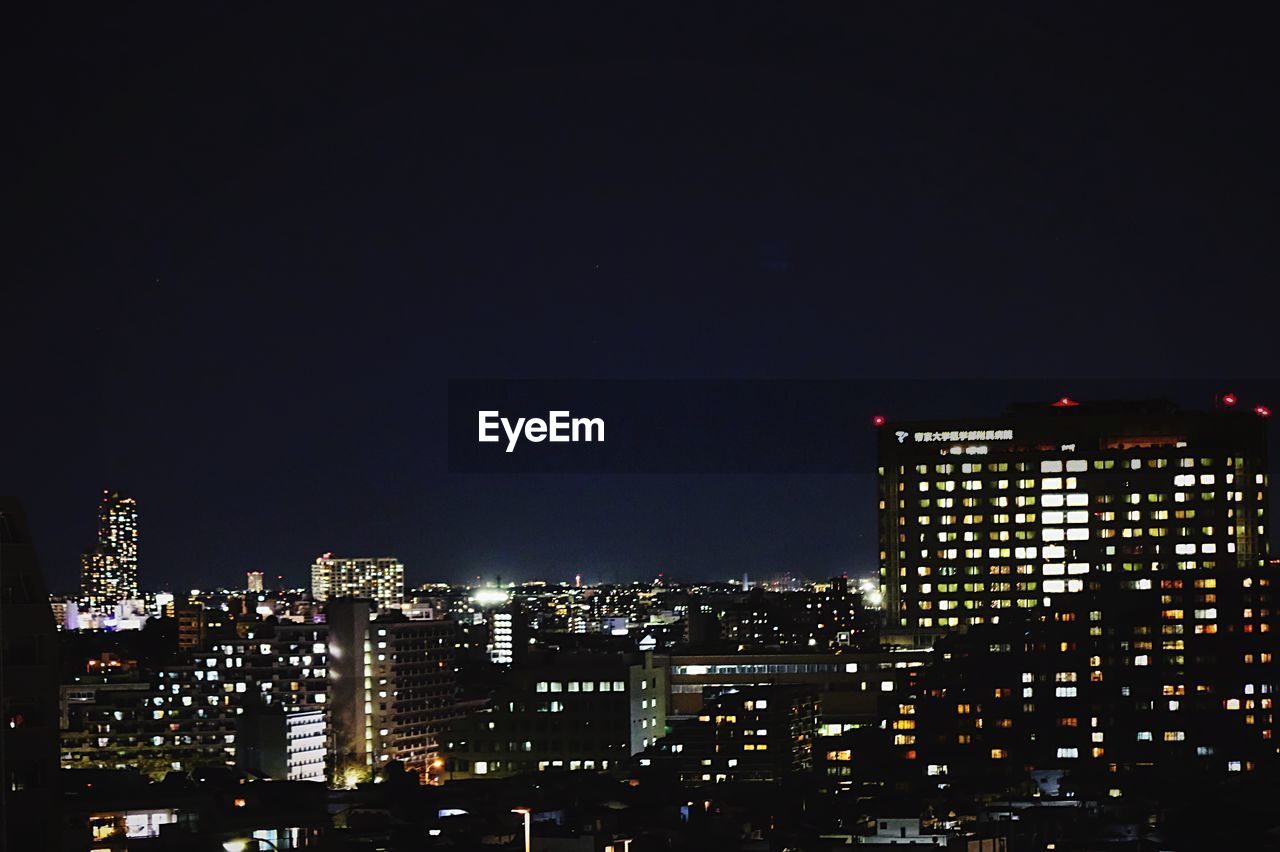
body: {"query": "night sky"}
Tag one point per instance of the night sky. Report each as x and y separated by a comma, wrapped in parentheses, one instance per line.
(252, 249)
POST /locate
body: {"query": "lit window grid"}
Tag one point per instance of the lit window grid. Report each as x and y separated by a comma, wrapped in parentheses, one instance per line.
(1029, 520)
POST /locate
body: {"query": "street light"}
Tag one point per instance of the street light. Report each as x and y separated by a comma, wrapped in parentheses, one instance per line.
(240, 844)
(528, 816)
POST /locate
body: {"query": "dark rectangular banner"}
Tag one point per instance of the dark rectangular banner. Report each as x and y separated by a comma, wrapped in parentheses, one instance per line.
(728, 426)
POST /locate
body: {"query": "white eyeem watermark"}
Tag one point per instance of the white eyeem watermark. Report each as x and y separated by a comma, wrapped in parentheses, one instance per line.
(560, 427)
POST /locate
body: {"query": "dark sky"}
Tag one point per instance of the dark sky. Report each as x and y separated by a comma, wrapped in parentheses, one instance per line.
(251, 249)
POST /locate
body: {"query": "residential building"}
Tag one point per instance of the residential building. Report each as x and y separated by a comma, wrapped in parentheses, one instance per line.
(380, 580)
(109, 570)
(392, 688)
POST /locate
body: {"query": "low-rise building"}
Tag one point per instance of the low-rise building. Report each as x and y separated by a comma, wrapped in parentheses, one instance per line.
(753, 734)
(569, 711)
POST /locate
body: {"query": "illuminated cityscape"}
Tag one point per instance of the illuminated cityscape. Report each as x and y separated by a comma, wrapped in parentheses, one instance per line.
(1073, 609)
(755, 427)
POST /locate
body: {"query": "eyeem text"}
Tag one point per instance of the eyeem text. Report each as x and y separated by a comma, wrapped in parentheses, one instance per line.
(559, 428)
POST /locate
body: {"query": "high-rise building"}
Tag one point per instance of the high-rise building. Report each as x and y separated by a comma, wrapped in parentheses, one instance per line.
(254, 583)
(109, 570)
(118, 527)
(1029, 511)
(414, 688)
(1098, 579)
(391, 689)
(380, 580)
(29, 793)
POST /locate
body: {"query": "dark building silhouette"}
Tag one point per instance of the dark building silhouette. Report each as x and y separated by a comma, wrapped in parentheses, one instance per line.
(570, 712)
(819, 621)
(1047, 696)
(754, 734)
(29, 672)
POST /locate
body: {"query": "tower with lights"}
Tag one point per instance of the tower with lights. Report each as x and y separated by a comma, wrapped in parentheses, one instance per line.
(1099, 579)
(109, 571)
(1048, 504)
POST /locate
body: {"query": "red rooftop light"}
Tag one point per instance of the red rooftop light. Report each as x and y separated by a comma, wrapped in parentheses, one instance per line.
(878, 420)
(1262, 411)
(1065, 402)
(1229, 399)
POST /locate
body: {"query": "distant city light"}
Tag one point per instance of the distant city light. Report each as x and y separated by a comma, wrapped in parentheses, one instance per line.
(490, 597)
(878, 420)
(1262, 411)
(1229, 399)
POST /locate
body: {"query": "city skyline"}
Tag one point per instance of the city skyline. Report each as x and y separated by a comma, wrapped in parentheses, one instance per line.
(633, 428)
(256, 320)
(1074, 608)
(812, 525)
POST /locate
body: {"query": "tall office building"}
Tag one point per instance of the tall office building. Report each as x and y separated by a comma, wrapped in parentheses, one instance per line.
(1029, 510)
(254, 581)
(380, 580)
(109, 570)
(1102, 575)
